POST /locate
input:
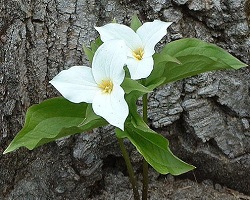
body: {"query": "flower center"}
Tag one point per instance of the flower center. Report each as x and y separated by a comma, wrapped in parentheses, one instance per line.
(106, 86)
(138, 53)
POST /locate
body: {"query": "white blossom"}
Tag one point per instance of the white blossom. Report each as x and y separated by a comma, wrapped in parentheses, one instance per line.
(99, 85)
(140, 44)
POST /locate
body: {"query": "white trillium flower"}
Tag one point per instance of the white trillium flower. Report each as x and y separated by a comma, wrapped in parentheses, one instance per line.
(140, 44)
(99, 85)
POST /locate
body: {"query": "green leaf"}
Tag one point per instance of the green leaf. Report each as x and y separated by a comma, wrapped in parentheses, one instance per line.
(114, 20)
(91, 119)
(192, 65)
(153, 146)
(135, 23)
(193, 46)
(95, 44)
(130, 85)
(89, 52)
(160, 58)
(156, 77)
(50, 120)
(133, 91)
(194, 56)
(155, 149)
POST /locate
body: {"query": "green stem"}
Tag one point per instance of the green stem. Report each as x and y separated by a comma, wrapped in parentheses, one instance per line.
(145, 164)
(130, 169)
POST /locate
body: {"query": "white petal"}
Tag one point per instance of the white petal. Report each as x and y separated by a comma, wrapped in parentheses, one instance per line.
(112, 107)
(76, 84)
(140, 69)
(109, 60)
(119, 31)
(151, 33)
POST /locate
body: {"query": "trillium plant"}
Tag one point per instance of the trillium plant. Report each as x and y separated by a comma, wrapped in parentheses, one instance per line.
(124, 67)
(99, 85)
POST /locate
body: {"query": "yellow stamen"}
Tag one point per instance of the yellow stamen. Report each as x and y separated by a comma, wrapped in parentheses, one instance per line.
(138, 53)
(106, 86)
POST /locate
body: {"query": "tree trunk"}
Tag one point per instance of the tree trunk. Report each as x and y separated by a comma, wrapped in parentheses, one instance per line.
(206, 118)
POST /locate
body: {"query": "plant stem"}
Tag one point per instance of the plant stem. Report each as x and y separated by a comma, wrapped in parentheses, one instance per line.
(145, 180)
(145, 164)
(130, 169)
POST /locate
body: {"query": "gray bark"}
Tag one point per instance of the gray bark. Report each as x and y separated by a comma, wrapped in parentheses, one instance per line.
(206, 118)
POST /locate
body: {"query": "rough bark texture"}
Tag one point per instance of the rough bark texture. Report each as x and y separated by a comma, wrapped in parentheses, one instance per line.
(205, 117)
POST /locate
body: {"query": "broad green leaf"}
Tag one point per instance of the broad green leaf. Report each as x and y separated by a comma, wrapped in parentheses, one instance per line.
(163, 58)
(153, 146)
(194, 56)
(50, 120)
(130, 85)
(193, 46)
(191, 65)
(91, 119)
(156, 77)
(88, 52)
(155, 149)
(114, 20)
(133, 114)
(135, 23)
(95, 44)
(133, 90)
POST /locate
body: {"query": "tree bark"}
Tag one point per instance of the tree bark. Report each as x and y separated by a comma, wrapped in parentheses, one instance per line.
(206, 118)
